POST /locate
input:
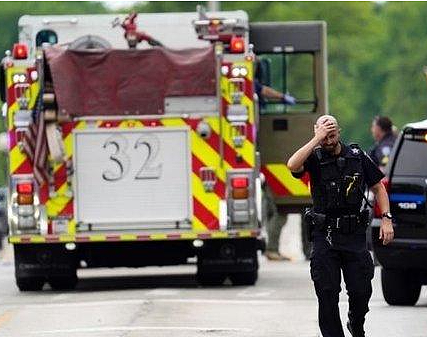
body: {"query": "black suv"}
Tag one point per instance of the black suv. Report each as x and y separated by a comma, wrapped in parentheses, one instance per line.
(404, 261)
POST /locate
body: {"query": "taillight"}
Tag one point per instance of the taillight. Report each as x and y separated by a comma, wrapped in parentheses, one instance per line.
(26, 188)
(237, 44)
(240, 187)
(239, 182)
(377, 211)
(240, 198)
(240, 193)
(25, 193)
(20, 51)
(25, 199)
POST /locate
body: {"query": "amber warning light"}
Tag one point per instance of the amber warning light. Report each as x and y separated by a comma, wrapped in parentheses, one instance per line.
(20, 51)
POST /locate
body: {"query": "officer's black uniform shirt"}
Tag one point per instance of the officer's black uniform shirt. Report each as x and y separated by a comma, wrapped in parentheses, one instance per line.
(371, 174)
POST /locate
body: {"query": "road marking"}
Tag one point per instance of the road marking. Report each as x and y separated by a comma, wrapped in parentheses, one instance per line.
(141, 328)
(49, 305)
(163, 292)
(60, 297)
(149, 301)
(251, 293)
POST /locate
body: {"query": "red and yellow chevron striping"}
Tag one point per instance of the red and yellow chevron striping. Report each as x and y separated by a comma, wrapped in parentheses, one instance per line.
(282, 183)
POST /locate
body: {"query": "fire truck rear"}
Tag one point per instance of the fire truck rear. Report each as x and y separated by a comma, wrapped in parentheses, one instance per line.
(132, 157)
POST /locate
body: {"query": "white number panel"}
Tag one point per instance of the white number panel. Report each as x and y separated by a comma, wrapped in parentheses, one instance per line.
(132, 176)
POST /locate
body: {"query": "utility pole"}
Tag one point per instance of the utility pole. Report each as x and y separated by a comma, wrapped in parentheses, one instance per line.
(214, 6)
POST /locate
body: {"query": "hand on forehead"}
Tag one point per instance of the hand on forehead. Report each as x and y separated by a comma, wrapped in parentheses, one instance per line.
(327, 119)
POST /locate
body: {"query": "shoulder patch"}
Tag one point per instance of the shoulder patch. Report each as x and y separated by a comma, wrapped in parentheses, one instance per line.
(355, 151)
(385, 150)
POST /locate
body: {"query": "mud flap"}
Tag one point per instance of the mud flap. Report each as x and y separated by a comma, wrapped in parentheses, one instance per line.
(228, 256)
(43, 261)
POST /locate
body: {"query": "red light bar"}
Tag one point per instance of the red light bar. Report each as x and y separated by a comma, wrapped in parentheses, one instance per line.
(24, 188)
(237, 45)
(239, 182)
(20, 51)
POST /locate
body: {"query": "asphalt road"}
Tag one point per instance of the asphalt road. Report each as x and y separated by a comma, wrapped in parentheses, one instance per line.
(168, 302)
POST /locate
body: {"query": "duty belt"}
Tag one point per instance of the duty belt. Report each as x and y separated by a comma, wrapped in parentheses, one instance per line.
(345, 224)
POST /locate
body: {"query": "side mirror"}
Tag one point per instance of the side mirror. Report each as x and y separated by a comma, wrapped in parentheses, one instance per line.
(263, 72)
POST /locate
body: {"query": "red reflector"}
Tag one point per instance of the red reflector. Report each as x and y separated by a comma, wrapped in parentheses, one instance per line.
(20, 51)
(237, 45)
(239, 182)
(24, 188)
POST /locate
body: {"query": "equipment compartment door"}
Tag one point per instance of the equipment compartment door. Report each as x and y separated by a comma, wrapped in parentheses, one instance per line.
(132, 178)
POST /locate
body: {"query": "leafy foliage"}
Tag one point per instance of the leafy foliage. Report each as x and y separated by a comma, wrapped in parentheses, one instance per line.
(375, 50)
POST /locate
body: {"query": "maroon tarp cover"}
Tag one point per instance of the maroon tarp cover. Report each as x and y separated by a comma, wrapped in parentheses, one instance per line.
(127, 82)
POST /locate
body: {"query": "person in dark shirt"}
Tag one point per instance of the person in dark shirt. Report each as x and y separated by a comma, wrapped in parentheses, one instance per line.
(339, 174)
(382, 132)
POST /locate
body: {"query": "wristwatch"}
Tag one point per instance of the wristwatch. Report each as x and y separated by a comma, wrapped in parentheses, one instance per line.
(387, 215)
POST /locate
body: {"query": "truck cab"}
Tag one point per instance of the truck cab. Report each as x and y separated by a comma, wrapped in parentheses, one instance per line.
(292, 59)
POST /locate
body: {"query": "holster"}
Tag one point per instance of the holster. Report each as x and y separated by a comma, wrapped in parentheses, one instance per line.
(313, 220)
(364, 218)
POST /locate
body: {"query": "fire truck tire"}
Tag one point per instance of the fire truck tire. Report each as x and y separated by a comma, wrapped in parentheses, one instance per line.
(30, 283)
(248, 278)
(210, 279)
(68, 282)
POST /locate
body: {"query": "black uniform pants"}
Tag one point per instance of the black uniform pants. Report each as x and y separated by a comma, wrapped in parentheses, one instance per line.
(358, 270)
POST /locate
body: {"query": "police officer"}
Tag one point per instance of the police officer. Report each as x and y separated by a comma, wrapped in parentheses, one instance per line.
(382, 132)
(338, 175)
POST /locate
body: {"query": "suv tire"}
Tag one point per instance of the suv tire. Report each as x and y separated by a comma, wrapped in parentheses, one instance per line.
(399, 287)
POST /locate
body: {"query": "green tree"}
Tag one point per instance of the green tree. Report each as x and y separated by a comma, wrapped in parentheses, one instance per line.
(403, 56)
(375, 50)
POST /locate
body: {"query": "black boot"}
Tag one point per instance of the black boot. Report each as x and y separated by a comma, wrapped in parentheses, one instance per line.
(355, 331)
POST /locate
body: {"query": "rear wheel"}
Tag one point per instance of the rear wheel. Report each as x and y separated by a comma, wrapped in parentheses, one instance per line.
(248, 278)
(400, 287)
(30, 283)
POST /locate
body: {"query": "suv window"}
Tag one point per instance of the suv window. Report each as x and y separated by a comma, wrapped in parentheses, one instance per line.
(412, 158)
